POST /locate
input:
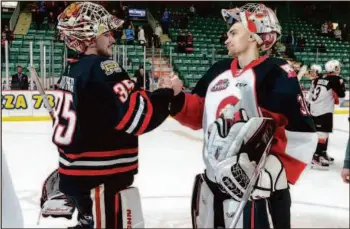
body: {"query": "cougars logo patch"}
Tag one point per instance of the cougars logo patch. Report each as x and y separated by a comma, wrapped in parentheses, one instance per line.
(220, 85)
(110, 66)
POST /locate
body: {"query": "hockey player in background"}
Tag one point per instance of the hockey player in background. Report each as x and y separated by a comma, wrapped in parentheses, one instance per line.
(99, 115)
(326, 93)
(315, 73)
(225, 103)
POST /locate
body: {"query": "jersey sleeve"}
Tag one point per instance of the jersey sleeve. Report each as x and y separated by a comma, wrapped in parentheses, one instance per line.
(115, 103)
(296, 138)
(338, 87)
(188, 109)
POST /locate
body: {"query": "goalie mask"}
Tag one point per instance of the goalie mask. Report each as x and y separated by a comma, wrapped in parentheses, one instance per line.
(83, 22)
(333, 66)
(260, 20)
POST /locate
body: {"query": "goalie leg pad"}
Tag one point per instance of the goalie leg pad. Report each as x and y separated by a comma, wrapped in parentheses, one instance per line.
(210, 207)
(107, 208)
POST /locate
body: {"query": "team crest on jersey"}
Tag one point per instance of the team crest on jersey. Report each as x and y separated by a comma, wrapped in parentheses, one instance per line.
(110, 66)
(227, 107)
(220, 85)
(289, 70)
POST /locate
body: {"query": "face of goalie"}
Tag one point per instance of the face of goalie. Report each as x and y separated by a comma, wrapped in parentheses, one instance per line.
(103, 44)
(238, 40)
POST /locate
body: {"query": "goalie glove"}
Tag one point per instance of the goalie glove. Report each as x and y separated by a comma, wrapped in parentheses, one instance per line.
(218, 139)
(251, 145)
(53, 202)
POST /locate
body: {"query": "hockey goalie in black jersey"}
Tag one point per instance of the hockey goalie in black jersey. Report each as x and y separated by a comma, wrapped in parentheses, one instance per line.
(234, 103)
(99, 114)
(326, 91)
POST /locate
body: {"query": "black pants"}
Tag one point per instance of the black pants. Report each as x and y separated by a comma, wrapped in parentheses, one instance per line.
(101, 206)
(257, 213)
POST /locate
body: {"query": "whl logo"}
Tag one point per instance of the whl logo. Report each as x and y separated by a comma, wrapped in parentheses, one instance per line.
(221, 85)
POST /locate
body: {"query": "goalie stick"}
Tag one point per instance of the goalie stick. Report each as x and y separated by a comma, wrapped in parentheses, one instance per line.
(252, 181)
(40, 88)
(257, 170)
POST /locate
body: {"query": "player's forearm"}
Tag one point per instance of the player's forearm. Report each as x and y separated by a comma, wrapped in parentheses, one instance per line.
(188, 110)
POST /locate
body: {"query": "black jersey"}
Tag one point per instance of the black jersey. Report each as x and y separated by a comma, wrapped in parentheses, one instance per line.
(99, 114)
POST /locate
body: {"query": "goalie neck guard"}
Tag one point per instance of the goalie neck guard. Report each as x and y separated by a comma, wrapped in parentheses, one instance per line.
(83, 22)
(260, 20)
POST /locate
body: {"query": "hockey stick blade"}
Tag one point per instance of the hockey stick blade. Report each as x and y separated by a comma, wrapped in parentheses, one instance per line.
(41, 90)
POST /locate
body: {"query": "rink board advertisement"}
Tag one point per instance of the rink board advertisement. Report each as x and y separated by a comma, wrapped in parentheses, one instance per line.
(29, 105)
(25, 105)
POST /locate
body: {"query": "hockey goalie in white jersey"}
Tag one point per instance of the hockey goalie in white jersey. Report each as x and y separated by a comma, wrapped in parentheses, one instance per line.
(231, 103)
(325, 93)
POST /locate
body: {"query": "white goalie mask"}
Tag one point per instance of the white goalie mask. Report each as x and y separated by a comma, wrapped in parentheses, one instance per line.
(333, 66)
(260, 20)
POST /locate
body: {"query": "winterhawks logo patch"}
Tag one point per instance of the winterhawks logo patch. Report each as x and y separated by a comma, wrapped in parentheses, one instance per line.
(289, 70)
(221, 85)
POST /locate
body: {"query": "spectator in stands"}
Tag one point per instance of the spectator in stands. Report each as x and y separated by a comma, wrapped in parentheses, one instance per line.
(330, 28)
(192, 13)
(19, 80)
(139, 75)
(157, 34)
(181, 42)
(52, 21)
(183, 23)
(324, 29)
(291, 43)
(3, 39)
(118, 35)
(130, 35)
(141, 36)
(301, 43)
(148, 34)
(42, 13)
(9, 34)
(175, 19)
(345, 33)
(165, 21)
(189, 42)
(337, 34)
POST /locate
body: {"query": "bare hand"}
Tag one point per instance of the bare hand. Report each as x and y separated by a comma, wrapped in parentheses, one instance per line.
(345, 174)
(177, 84)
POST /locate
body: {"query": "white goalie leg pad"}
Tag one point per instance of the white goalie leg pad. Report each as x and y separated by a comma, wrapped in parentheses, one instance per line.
(230, 207)
(203, 212)
(202, 205)
(131, 208)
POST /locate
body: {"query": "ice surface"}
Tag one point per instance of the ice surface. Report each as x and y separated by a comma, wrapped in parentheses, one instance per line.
(170, 157)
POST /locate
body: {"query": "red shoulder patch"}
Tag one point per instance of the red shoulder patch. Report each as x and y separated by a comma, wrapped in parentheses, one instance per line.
(289, 70)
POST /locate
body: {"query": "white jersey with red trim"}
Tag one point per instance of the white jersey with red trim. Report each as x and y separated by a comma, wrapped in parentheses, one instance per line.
(267, 87)
(325, 94)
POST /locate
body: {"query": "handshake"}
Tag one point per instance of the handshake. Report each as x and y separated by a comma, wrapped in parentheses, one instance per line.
(171, 81)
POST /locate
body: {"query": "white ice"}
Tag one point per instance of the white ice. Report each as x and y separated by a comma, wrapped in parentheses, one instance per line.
(170, 157)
